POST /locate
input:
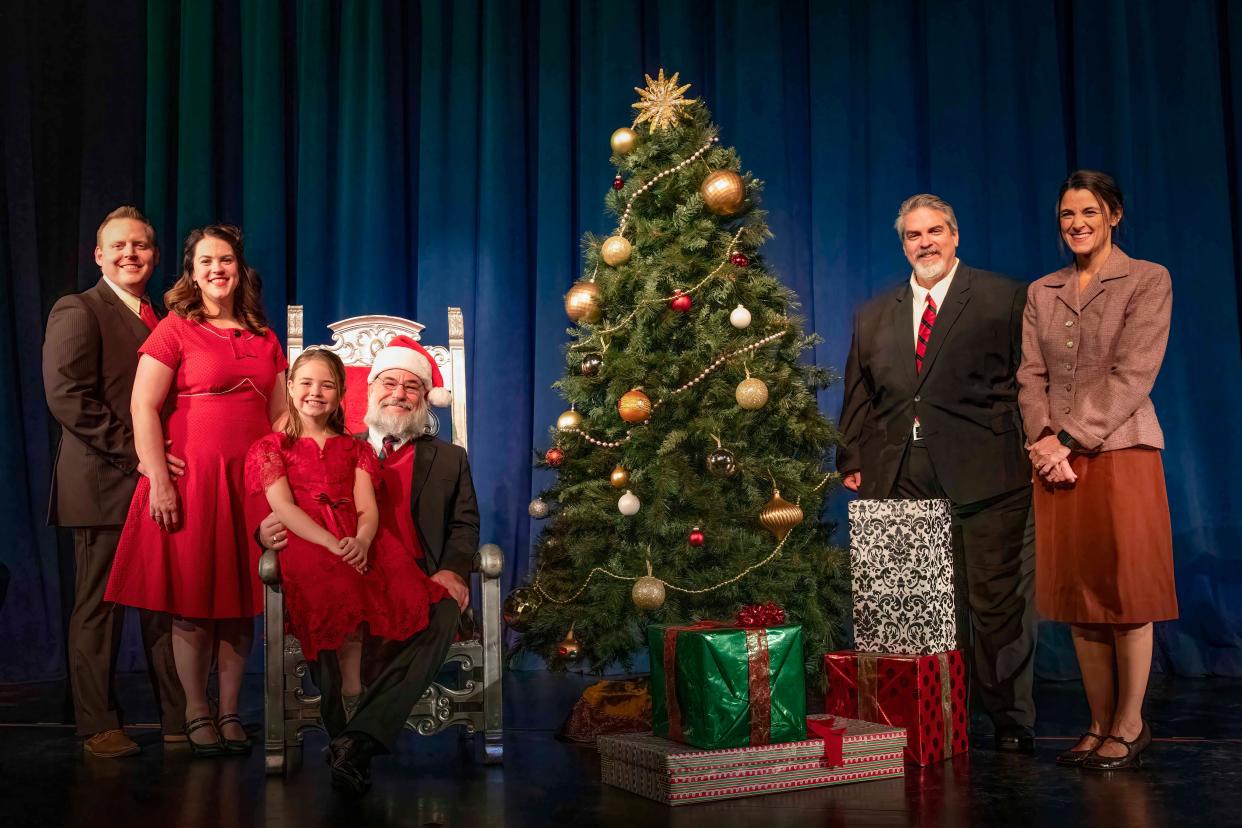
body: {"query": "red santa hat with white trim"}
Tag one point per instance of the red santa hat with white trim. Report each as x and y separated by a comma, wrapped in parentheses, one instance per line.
(403, 352)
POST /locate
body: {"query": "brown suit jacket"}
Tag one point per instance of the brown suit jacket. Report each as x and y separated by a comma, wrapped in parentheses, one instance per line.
(90, 355)
(1088, 367)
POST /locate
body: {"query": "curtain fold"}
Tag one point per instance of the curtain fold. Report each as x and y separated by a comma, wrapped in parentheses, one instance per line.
(396, 157)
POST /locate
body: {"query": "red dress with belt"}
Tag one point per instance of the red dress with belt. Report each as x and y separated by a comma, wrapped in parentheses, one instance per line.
(208, 566)
(327, 598)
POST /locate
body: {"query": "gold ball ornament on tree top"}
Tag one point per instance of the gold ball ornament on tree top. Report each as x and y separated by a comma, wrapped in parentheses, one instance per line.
(615, 250)
(582, 302)
(634, 406)
(623, 141)
(569, 420)
(723, 192)
(648, 592)
(779, 516)
(620, 478)
(751, 393)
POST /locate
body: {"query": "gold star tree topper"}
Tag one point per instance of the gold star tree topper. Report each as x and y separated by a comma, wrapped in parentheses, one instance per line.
(661, 101)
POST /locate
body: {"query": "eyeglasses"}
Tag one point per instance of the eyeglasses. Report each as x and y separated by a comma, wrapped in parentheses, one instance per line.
(411, 388)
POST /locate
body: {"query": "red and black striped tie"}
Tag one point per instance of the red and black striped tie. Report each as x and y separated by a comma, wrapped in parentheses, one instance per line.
(925, 329)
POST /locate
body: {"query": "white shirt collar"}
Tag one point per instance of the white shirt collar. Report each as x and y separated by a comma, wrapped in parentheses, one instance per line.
(131, 301)
(376, 439)
(938, 291)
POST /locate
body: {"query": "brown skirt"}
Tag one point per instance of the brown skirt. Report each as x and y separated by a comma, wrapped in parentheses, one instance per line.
(1104, 548)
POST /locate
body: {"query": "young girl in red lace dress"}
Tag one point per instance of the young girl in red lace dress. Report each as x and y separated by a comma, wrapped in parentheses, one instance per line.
(342, 574)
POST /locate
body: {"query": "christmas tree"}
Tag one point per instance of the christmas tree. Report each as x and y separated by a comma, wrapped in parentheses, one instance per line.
(691, 460)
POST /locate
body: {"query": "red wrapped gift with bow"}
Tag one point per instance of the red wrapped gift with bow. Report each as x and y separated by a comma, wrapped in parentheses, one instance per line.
(924, 694)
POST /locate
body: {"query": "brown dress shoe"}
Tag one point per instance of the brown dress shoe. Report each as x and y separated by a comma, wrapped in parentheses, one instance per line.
(110, 744)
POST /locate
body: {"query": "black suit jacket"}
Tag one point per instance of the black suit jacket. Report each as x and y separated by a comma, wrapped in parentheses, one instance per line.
(966, 397)
(90, 355)
(445, 511)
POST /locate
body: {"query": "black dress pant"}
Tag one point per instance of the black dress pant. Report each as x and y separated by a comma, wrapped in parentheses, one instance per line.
(994, 568)
(395, 674)
(95, 642)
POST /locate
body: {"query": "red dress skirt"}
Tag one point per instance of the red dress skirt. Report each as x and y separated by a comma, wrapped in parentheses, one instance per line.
(208, 566)
(327, 598)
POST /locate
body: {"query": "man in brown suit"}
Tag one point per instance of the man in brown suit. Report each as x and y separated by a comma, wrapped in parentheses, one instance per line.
(90, 355)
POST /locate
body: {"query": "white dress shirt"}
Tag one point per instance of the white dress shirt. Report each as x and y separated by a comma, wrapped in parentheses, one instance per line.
(376, 439)
(938, 292)
(131, 301)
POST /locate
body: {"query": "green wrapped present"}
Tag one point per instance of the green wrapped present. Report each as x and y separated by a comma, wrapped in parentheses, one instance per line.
(719, 686)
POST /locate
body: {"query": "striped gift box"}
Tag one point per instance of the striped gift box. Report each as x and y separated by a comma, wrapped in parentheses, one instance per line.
(677, 774)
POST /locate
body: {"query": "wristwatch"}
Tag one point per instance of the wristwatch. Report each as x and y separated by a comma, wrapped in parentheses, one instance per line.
(1066, 440)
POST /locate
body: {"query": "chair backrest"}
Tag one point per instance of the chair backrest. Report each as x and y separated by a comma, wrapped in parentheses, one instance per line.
(358, 339)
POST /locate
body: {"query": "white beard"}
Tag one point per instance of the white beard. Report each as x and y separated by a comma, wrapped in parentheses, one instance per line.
(398, 421)
(930, 271)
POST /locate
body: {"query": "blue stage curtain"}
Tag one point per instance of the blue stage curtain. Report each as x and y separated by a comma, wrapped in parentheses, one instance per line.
(404, 157)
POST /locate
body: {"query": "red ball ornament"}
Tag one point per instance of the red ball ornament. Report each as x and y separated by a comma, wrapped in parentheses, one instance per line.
(554, 457)
(617, 183)
(696, 537)
(681, 302)
(739, 259)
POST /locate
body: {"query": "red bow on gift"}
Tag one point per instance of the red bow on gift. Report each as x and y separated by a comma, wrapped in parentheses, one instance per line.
(761, 615)
(834, 739)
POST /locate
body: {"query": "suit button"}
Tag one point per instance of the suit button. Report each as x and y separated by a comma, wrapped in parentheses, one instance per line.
(917, 398)
(1069, 323)
(1069, 387)
(1066, 409)
(1069, 343)
(1069, 366)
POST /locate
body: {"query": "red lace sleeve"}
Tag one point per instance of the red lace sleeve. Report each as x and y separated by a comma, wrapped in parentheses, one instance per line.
(164, 343)
(264, 464)
(369, 463)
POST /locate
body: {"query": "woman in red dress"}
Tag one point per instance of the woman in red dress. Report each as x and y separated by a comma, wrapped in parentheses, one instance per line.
(215, 369)
(340, 571)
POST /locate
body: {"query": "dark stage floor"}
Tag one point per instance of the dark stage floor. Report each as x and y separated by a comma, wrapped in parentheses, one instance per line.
(1194, 775)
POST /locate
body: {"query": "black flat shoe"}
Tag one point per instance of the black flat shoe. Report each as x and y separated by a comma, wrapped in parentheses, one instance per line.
(1015, 741)
(1133, 757)
(204, 750)
(351, 766)
(1074, 758)
(233, 747)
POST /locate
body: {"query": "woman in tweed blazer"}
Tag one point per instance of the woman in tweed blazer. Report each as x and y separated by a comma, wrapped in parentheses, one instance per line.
(1094, 337)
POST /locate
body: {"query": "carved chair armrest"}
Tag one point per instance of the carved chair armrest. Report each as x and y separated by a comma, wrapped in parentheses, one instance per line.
(489, 561)
(269, 567)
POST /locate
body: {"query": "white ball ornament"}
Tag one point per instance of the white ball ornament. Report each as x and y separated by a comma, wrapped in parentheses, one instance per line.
(740, 318)
(628, 505)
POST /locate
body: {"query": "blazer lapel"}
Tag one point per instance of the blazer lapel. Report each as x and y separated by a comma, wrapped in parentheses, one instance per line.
(901, 337)
(424, 457)
(954, 302)
(126, 318)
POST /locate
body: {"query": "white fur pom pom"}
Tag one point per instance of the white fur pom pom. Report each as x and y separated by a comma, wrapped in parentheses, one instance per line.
(440, 397)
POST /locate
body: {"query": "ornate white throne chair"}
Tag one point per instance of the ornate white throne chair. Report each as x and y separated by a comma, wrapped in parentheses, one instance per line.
(473, 699)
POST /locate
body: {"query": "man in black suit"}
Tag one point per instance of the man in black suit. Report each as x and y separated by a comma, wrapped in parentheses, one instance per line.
(931, 411)
(90, 355)
(440, 519)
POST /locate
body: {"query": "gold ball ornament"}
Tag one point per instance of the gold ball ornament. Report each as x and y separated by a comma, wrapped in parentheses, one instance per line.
(569, 649)
(648, 592)
(620, 478)
(779, 516)
(623, 141)
(615, 250)
(518, 607)
(569, 420)
(634, 406)
(582, 302)
(751, 393)
(723, 192)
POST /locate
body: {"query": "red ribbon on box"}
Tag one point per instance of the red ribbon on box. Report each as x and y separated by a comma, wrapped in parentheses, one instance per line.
(758, 680)
(834, 739)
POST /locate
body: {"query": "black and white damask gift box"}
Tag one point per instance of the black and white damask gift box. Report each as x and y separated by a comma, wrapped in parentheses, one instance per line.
(901, 562)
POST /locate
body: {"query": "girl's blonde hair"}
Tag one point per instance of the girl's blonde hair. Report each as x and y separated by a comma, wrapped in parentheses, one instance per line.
(336, 420)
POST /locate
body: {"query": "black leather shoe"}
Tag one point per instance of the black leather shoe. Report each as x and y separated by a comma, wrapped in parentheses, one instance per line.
(234, 747)
(1133, 757)
(204, 750)
(1015, 740)
(351, 765)
(1074, 758)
